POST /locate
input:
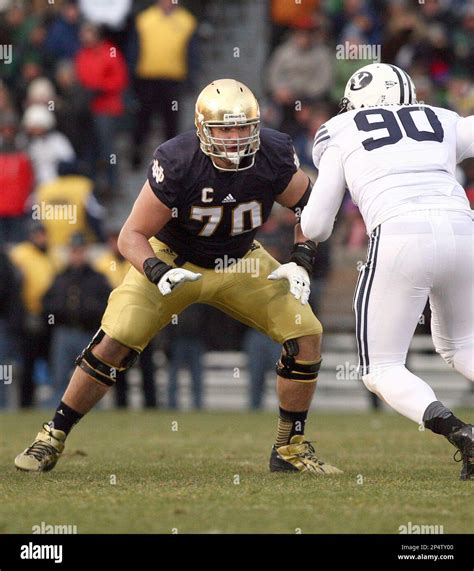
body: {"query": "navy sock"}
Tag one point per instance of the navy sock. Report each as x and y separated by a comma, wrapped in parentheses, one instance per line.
(65, 418)
(444, 426)
(440, 420)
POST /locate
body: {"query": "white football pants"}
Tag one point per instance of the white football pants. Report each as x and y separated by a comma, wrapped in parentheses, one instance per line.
(411, 258)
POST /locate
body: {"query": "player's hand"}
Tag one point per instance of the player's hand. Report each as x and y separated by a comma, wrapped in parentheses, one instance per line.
(298, 279)
(173, 278)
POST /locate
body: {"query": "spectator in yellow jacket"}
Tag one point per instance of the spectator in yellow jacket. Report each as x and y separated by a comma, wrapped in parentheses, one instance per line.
(67, 205)
(37, 270)
(165, 55)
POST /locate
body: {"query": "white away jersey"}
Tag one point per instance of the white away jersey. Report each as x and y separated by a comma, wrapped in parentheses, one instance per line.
(399, 158)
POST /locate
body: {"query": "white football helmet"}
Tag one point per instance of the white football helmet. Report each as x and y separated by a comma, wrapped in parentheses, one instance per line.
(378, 84)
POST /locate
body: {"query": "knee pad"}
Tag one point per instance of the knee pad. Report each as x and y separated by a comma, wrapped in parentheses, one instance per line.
(102, 372)
(292, 369)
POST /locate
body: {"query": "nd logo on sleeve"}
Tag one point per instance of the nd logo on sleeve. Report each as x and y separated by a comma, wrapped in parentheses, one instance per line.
(157, 172)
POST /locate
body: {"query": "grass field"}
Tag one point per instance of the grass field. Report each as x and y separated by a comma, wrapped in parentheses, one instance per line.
(211, 476)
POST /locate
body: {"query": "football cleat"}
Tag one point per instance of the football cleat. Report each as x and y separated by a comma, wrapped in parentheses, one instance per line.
(299, 456)
(463, 439)
(45, 451)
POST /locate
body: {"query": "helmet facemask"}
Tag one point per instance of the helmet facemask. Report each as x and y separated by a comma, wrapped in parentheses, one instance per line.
(232, 150)
(345, 105)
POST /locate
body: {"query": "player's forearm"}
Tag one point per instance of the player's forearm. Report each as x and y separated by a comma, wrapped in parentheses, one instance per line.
(319, 215)
(317, 228)
(147, 218)
(134, 246)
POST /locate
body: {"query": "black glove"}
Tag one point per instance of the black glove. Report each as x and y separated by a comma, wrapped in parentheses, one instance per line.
(303, 254)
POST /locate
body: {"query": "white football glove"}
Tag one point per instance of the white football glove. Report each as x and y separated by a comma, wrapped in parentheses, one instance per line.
(298, 279)
(174, 277)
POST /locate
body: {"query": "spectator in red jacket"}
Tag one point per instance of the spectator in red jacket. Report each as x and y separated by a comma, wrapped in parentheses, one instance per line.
(102, 70)
(16, 181)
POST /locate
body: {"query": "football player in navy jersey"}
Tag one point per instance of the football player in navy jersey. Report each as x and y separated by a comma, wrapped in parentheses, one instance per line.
(191, 239)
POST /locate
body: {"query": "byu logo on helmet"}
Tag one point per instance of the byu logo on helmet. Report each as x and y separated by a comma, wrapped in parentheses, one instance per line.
(360, 80)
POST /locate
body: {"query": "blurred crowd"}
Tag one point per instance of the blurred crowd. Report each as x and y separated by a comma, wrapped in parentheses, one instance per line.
(77, 76)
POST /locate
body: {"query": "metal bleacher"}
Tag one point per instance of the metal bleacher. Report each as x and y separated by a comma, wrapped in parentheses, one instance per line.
(226, 378)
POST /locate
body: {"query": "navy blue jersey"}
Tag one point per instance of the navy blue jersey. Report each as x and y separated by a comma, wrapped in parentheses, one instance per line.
(216, 213)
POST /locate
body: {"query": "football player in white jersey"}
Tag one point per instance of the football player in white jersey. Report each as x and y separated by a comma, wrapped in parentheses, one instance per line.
(398, 158)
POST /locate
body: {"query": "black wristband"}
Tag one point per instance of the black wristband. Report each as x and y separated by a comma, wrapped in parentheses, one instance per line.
(303, 254)
(154, 269)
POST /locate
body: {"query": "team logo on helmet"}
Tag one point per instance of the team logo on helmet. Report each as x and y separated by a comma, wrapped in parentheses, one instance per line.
(360, 80)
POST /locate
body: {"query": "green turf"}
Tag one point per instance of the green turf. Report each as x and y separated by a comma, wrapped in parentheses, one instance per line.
(185, 479)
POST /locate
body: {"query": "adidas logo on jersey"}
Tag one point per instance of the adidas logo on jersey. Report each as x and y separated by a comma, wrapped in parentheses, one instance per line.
(229, 198)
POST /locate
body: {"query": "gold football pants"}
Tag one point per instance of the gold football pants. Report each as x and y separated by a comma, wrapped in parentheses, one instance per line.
(136, 310)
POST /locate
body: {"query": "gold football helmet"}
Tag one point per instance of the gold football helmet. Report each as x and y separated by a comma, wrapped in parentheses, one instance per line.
(228, 103)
